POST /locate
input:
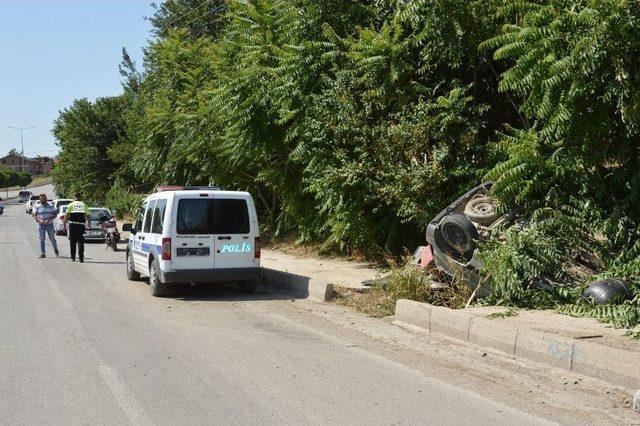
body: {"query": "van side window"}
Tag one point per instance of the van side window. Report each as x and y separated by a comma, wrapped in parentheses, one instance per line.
(140, 216)
(148, 216)
(194, 217)
(230, 216)
(158, 217)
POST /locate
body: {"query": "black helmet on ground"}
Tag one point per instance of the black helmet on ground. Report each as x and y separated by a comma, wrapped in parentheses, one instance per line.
(608, 290)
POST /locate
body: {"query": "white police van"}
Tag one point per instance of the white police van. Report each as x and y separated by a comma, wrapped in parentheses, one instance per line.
(195, 235)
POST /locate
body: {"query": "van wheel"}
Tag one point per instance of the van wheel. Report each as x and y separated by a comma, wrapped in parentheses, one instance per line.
(131, 270)
(158, 288)
(248, 286)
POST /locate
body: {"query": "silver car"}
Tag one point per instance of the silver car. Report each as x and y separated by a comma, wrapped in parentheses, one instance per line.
(95, 233)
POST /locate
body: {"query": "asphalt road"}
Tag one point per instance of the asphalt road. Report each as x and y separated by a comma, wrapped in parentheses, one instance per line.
(81, 344)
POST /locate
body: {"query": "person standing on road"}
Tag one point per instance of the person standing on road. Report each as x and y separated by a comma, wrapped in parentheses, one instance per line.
(78, 220)
(44, 213)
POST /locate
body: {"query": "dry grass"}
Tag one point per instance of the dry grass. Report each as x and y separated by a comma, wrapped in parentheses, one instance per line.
(409, 282)
(376, 302)
(40, 181)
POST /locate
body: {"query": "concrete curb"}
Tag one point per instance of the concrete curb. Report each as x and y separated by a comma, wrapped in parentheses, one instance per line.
(297, 285)
(615, 366)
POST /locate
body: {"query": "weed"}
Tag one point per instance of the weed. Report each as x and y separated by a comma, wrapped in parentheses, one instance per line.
(511, 312)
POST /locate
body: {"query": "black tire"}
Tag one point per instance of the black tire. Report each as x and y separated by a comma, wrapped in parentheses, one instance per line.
(248, 286)
(481, 210)
(114, 245)
(131, 272)
(459, 233)
(158, 288)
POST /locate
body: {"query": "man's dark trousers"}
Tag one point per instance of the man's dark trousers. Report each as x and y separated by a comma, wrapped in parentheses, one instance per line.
(76, 237)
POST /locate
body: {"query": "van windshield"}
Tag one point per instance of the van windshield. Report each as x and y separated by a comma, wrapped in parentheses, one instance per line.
(23, 193)
(218, 216)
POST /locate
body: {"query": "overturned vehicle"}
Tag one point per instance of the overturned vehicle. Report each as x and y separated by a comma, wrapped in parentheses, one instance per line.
(454, 233)
(453, 237)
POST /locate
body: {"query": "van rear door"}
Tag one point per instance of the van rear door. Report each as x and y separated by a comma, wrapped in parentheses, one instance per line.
(194, 245)
(233, 233)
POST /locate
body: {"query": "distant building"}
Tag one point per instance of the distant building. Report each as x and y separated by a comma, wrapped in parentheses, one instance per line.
(34, 166)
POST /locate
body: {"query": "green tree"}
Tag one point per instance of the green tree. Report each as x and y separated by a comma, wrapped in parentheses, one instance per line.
(85, 133)
(23, 179)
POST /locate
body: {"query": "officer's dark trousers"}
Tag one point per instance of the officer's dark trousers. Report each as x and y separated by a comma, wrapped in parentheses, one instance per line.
(76, 238)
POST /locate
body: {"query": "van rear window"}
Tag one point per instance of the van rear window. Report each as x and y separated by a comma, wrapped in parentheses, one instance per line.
(230, 216)
(217, 216)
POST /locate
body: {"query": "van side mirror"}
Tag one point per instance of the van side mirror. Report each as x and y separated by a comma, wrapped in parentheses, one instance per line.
(127, 227)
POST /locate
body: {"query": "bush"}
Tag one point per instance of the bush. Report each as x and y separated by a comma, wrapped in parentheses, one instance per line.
(417, 284)
(122, 201)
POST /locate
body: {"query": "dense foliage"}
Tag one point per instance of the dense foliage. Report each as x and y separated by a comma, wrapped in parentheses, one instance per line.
(9, 178)
(353, 123)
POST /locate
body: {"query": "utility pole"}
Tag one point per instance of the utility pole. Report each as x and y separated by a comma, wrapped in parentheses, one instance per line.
(21, 129)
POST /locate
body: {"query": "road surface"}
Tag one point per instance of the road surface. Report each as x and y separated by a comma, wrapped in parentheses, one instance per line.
(81, 344)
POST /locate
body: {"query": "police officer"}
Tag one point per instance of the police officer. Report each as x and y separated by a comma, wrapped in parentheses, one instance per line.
(78, 220)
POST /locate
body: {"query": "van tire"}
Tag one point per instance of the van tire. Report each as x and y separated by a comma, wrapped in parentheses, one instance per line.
(158, 288)
(248, 286)
(131, 271)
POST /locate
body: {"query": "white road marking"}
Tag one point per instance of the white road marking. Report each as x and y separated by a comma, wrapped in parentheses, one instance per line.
(59, 296)
(127, 400)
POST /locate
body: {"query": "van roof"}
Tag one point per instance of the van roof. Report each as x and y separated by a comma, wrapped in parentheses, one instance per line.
(165, 188)
(195, 192)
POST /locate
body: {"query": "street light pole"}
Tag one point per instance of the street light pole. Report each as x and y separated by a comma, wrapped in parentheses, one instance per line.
(21, 130)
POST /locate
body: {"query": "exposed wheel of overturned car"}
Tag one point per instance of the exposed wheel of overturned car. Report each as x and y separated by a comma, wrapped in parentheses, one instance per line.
(459, 233)
(481, 210)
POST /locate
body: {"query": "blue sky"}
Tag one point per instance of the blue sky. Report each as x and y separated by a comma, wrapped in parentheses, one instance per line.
(54, 51)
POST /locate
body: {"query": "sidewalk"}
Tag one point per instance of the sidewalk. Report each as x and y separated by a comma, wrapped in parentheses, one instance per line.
(578, 345)
(329, 271)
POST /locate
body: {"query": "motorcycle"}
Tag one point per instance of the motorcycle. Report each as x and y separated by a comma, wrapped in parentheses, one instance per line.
(110, 233)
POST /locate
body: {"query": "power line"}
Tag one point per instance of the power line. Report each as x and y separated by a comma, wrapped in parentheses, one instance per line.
(173, 21)
(214, 10)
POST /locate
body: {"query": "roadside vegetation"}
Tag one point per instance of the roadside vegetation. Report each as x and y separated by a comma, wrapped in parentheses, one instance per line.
(354, 123)
(10, 179)
(406, 282)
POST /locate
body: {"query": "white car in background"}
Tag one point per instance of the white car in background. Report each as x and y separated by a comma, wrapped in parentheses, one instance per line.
(58, 203)
(58, 222)
(29, 205)
(23, 196)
